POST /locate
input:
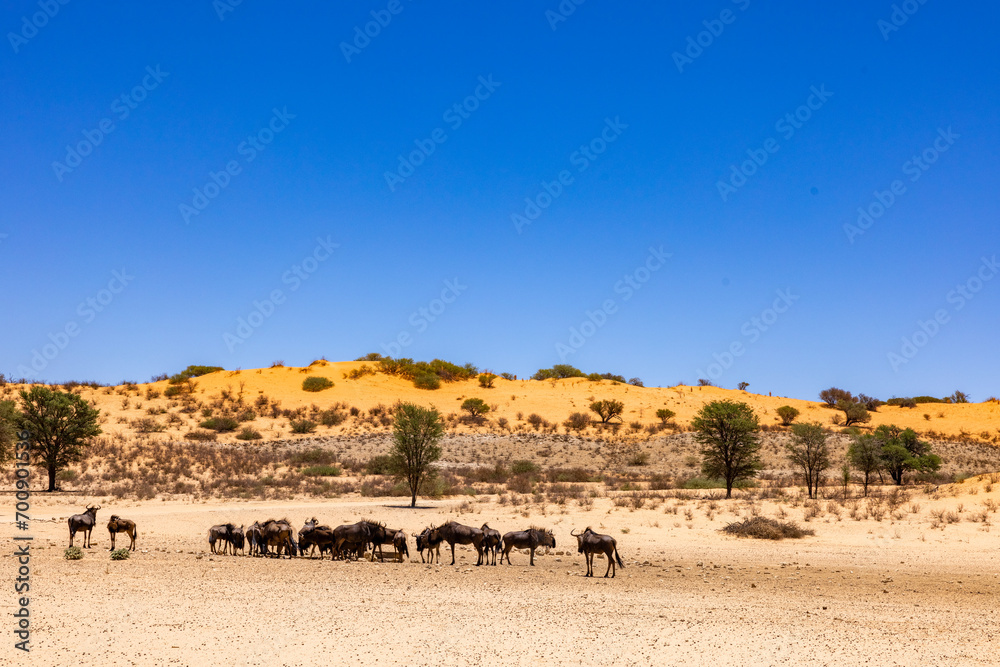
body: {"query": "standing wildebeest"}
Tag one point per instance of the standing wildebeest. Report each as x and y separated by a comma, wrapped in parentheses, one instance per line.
(456, 533)
(491, 542)
(252, 536)
(219, 533)
(430, 540)
(312, 535)
(277, 534)
(590, 543)
(381, 535)
(84, 523)
(234, 541)
(527, 539)
(351, 537)
(119, 525)
(399, 544)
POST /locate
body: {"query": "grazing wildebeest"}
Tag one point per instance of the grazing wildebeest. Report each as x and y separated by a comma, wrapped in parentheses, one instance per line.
(84, 523)
(491, 542)
(252, 537)
(119, 525)
(277, 534)
(455, 533)
(351, 537)
(399, 544)
(430, 540)
(527, 539)
(590, 543)
(219, 533)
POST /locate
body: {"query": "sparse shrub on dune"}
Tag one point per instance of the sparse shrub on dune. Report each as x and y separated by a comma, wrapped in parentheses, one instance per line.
(558, 372)
(248, 433)
(787, 414)
(193, 372)
(475, 407)
(147, 425)
(220, 424)
(321, 471)
(332, 417)
(608, 409)
(316, 383)
(577, 421)
(665, 414)
(201, 436)
(302, 426)
(764, 528)
(486, 380)
(427, 381)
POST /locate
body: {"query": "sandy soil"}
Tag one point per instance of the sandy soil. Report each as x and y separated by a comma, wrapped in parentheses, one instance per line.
(894, 592)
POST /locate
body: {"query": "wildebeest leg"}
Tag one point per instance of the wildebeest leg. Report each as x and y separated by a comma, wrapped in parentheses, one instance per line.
(590, 563)
(132, 535)
(112, 540)
(86, 540)
(452, 553)
(532, 559)
(71, 534)
(611, 563)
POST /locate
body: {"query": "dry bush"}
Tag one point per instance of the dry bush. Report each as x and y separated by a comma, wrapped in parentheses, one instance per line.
(764, 528)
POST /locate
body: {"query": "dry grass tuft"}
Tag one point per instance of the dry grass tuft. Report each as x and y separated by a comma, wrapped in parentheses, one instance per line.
(763, 528)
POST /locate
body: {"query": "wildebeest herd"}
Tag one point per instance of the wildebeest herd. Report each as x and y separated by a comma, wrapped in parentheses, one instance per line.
(276, 538)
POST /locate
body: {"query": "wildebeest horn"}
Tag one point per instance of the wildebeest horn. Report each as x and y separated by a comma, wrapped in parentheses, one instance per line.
(572, 533)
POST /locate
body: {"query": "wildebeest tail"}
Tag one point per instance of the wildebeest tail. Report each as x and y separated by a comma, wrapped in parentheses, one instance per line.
(618, 558)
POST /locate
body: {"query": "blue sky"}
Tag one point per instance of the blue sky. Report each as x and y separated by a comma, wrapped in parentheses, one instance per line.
(615, 125)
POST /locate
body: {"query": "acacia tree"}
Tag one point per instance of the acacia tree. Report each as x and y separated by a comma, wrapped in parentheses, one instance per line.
(727, 431)
(416, 432)
(8, 429)
(854, 412)
(902, 451)
(809, 451)
(61, 425)
(864, 455)
(608, 409)
(475, 407)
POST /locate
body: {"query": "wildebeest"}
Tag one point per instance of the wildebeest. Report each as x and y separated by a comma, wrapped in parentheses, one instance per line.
(252, 537)
(221, 534)
(119, 525)
(430, 540)
(84, 523)
(351, 537)
(399, 544)
(234, 541)
(527, 539)
(590, 543)
(455, 533)
(312, 536)
(381, 535)
(491, 542)
(277, 534)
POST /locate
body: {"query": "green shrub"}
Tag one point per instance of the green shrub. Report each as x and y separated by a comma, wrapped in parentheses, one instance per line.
(536, 420)
(379, 465)
(315, 456)
(321, 471)
(248, 434)
(558, 372)
(332, 417)
(787, 414)
(173, 390)
(220, 424)
(832, 396)
(316, 383)
(508, 376)
(486, 380)
(360, 372)
(201, 436)
(73, 553)
(577, 421)
(924, 399)
(427, 381)
(522, 467)
(608, 409)
(302, 425)
(120, 554)
(193, 372)
(665, 414)
(475, 406)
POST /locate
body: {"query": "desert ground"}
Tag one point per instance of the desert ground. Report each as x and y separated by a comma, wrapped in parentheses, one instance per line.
(916, 584)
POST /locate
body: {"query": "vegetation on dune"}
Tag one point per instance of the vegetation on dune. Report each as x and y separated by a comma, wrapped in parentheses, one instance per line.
(475, 407)
(728, 432)
(787, 414)
(316, 383)
(608, 409)
(193, 372)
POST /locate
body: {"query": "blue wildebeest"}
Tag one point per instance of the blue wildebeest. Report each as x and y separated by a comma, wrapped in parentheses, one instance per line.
(527, 539)
(119, 525)
(399, 544)
(219, 533)
(83, 523)
(430, 540)
(353, 537)
(590, 543)
(455, 533)
(491, 542)
(277, 534)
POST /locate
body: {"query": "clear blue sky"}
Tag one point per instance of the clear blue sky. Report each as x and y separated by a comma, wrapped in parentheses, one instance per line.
(629, 124)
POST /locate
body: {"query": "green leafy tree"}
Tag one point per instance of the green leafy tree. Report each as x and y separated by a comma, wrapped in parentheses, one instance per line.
(61, 426)
(486, 380)
(416, 434)
(854, 412)
(865, 455)
(787, 414)
(728, 433)
(902, 452)
(608, 409)
(808, 450)
(8, 429)
(832, 396)
(665, 414)
(475, 407)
